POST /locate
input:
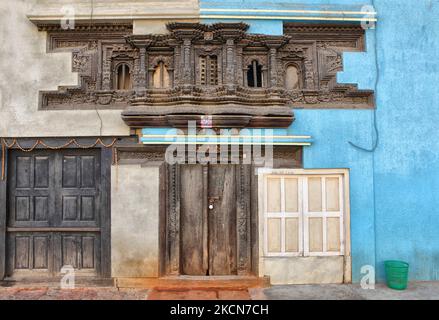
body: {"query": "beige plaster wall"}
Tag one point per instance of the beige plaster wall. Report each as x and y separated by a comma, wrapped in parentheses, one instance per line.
(117, 9)
(156, 26)
(26, 68)
(303, 270)
(134, 221)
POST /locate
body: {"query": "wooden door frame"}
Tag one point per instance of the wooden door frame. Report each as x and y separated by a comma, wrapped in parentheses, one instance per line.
(286, 157)
(3, 218)
(246, 214)
(105, 206)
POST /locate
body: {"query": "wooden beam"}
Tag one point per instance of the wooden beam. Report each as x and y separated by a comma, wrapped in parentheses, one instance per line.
(105, 212)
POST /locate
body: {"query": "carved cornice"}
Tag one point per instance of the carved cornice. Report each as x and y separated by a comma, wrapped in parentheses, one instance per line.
(87, 27)
(235, 27)
(342, 36)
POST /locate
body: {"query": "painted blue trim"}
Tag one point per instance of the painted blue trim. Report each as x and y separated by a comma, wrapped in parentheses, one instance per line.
(245, 136)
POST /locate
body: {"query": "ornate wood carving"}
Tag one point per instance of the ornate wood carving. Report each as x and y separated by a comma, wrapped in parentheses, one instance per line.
(315, 50)
(243, 218)
(173, 230)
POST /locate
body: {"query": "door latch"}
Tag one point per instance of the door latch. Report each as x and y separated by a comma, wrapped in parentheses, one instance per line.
(212, 202)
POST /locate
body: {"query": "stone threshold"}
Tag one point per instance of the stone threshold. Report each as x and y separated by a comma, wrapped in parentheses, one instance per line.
(55, 282)
(195, 283)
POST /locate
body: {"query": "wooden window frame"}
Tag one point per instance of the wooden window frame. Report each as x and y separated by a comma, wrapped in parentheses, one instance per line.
(127, 71)
(255, 65)
(210, 71)
(161, 67)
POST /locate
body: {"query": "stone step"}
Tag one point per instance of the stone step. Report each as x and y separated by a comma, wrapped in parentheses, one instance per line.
(195, 283)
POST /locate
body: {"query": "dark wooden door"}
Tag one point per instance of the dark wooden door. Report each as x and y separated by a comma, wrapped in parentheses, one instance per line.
(54, 220)
(208, 199)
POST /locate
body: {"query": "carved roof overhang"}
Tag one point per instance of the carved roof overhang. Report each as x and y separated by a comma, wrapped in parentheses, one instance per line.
(223, 116)
(314, 50)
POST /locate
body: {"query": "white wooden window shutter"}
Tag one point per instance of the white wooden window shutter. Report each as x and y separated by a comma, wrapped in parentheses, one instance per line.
(303, 215)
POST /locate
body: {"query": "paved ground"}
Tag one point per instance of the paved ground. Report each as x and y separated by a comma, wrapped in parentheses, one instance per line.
(418, 290)
(415, 291)
(109, 293)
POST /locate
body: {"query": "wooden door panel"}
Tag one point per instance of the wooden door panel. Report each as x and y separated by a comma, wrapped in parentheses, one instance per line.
(41, 208)
(81, 250)
(22, 209)
(31, 189)
(42, 172)
(28, 252)
(22, 252)
(79, 199)
(41, 252)
(23, 172)
(88, 171)
(222, 220)
(192, 222)
(89, 254)
(69, 251)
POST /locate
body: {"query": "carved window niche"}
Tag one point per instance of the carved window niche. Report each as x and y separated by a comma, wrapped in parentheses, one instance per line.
(293, 77)
(254, 75)
(160, 71)
(160, 76)
(122, 79)
(208, 70)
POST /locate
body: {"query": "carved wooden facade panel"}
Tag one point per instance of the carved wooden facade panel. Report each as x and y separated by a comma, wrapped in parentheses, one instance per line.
(196, 68)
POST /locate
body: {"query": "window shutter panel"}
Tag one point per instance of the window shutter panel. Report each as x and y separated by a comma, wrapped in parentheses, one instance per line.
(323, 218)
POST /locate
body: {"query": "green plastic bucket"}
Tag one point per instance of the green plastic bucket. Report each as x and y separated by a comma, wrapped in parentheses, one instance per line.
(397, 273)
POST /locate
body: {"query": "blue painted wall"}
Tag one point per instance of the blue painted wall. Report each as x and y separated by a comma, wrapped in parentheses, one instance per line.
(395, 190)
(407, 160)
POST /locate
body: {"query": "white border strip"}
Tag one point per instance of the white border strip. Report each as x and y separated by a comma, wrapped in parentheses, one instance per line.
(290, 11)
(236, 17)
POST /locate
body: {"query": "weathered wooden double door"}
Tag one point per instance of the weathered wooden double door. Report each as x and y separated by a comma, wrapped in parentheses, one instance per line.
(214, 219)
(55, 212)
